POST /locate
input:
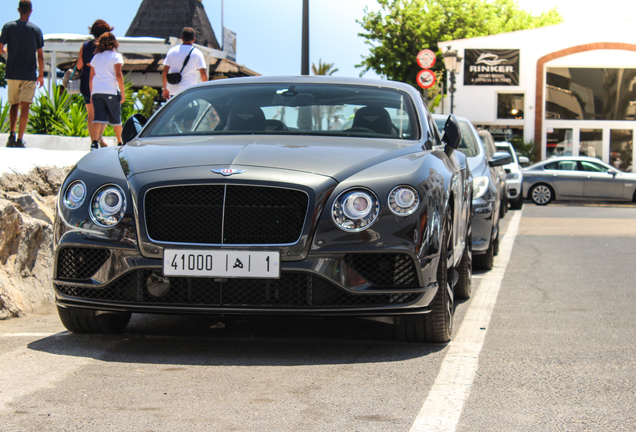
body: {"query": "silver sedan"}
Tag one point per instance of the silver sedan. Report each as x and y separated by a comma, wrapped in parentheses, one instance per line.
(577, 178)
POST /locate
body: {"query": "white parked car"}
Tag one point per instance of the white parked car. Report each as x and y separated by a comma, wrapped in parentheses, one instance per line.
(514, 176)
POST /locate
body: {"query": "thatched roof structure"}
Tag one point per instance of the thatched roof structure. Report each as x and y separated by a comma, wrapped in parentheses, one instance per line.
(219, 68)
(165, 18)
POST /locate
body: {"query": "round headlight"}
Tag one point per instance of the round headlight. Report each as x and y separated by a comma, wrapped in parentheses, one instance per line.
(403, 200)
(357, 205)
(355, 210)
(108, 206)
(480, 186)
(74, 195)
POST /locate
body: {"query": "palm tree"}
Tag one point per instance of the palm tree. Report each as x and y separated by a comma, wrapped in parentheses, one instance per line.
(323, 68)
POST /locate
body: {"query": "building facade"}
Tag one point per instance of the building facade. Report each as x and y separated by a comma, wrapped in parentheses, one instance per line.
(570, 88)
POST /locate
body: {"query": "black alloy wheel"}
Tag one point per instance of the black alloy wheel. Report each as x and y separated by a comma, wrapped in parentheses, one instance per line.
(437, 325)
(463, 289)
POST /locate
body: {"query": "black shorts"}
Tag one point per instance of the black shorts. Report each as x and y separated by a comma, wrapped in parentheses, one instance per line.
(107, 108)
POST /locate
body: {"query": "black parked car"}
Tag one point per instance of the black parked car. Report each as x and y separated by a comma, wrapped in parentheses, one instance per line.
(236, 198)
(489, 191)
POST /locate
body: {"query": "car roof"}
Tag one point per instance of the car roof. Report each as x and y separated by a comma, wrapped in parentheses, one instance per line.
(576, 158)
(312, 79)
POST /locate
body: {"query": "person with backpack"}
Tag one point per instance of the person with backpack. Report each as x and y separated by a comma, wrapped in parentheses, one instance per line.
(181, 65)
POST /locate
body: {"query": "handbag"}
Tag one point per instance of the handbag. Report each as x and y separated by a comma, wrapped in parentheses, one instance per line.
(175, 78)
(71, 85)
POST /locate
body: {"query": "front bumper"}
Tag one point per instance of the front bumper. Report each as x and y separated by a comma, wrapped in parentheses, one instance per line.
(514, 188)
(107, 277)
(482, 225)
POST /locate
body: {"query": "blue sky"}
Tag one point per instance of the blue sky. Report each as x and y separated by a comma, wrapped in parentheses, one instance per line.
(268, 32)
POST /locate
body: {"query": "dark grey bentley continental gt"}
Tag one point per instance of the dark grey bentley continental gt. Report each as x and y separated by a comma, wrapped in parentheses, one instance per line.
(253, 197)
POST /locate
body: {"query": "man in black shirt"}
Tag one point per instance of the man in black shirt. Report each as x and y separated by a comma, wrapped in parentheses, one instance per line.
(24, 41)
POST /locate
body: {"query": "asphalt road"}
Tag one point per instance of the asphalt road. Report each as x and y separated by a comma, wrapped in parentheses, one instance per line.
(555, 352)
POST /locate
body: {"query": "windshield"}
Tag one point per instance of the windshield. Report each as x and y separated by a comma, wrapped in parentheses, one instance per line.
(286, 109)
(469, 145)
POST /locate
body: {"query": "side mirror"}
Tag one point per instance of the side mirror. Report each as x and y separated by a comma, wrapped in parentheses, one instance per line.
(132, 127)
(452, 135)
(523, 161)
(500, 158)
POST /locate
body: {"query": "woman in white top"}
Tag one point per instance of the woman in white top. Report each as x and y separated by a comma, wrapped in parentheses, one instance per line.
(107, 87)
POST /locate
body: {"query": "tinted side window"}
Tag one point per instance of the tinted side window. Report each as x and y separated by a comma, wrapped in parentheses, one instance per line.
(591, 166)
(562, 166)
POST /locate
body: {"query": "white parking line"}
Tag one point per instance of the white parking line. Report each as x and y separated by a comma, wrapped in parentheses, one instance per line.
(27, 335)
(445, 402)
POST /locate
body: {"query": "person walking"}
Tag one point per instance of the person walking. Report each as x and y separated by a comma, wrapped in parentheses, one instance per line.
(107, 87)
(86, 53)
(23, 41)
(185, 60)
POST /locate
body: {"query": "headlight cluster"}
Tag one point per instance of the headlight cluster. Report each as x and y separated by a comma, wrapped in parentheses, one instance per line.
(107, 207)
(512, 176)
(480, 186)
(75, 195)
(357, 209)
(403, 200)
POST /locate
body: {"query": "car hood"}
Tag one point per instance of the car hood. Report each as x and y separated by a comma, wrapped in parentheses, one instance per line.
(336, 157)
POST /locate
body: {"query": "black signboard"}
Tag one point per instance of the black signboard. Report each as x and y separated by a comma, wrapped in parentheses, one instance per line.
(491, 67)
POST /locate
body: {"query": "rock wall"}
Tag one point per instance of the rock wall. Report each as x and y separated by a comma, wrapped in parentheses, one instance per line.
(27, 211)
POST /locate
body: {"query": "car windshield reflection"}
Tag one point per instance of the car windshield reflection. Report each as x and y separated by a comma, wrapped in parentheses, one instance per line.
(279, 109)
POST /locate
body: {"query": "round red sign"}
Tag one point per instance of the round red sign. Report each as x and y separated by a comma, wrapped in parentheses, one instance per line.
(426, 78)
(426, 59)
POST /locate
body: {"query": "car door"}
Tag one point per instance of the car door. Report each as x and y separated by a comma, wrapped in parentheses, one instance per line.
(601, 182)
(566, 178)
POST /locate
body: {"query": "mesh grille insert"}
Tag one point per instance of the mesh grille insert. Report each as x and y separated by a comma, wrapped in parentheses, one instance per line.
(80, 263)
(293, 289)
(385, 269)
(216, 214)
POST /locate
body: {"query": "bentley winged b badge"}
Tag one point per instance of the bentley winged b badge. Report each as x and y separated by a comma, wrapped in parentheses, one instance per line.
(227, 171)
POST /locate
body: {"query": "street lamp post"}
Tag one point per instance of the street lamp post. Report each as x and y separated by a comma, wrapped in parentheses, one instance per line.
(452, 62)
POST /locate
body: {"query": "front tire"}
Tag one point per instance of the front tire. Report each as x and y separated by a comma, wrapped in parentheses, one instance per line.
(463, 289)
(541, 194)
(437, 325)
(91, 321)
(486, 261)
(517, 203)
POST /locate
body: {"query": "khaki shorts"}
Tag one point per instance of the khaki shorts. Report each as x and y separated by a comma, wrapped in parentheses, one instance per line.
(20, 91)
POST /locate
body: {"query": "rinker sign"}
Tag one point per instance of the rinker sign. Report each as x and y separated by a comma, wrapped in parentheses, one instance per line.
(495, 67)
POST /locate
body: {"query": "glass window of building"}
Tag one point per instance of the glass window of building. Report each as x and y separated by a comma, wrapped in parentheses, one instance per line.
(621, 149)
(590, 94)
(559, 142)
(591, 143)
(510, 106)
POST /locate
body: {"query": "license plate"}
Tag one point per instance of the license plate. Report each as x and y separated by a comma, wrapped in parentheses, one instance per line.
(225, 263)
